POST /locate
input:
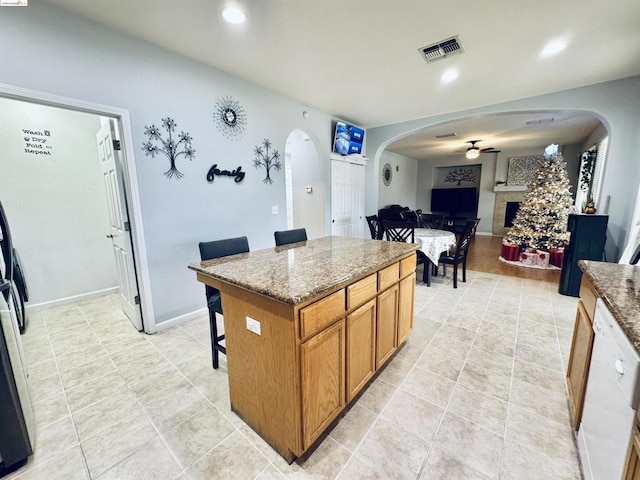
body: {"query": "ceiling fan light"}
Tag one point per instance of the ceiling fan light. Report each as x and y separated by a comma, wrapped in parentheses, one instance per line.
(472, 153)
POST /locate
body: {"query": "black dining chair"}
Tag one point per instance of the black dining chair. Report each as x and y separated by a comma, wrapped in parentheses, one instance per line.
(432, 220)
(285, 237)
(375, 227)
(404, 232)
(217, 249)
(459, 257)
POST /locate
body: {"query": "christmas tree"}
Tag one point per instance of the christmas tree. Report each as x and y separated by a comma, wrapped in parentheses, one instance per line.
(541, 221)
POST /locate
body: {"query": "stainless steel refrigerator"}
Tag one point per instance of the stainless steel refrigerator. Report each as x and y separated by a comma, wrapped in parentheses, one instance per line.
(16, 413)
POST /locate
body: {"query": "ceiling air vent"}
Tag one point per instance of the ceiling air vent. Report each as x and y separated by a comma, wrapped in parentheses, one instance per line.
(443, 49)
(540, 121)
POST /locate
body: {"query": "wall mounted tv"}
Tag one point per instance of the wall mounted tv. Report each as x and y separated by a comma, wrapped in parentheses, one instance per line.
(454, 200)
(347, 139)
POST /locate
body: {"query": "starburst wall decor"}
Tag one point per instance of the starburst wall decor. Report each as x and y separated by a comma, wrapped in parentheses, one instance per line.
(169, 146)
(229, 117)
(266, 159)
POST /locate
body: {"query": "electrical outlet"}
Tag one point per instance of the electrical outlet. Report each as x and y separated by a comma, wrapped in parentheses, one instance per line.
(253, 326)
(274, 210)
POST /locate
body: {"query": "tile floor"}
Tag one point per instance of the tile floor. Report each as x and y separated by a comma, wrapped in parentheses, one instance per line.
(477, 392)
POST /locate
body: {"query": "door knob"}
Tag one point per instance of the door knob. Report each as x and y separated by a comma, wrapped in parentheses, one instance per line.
(110, 235)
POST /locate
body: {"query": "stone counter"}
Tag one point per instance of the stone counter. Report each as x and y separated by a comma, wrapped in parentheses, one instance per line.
(619, 287)
(298, 272)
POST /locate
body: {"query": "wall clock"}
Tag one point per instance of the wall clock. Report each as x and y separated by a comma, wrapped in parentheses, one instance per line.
(230, 118)
(387, 174)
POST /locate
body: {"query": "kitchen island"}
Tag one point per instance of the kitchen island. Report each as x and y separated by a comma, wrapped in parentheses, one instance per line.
(307, 326)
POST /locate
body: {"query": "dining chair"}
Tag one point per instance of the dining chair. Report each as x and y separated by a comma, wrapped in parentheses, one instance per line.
(285, 237)
(404, 232)
(208, 251)
(460, 255)
(375, 227)
(432, 220)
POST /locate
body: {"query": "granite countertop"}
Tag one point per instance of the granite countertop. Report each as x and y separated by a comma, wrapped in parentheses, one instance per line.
(619, 287)
(298, 272)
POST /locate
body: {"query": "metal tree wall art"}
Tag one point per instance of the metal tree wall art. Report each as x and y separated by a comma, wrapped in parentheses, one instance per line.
(169, 146)
(266, 159)
(460, 175)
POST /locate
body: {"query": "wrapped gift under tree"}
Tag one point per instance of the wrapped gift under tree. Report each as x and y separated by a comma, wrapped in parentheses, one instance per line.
(510, 251)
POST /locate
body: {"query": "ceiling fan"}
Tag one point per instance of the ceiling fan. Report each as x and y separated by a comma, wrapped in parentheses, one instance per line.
(474, 152)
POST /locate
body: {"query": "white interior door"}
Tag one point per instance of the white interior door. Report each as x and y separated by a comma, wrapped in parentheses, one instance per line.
(347, 199)
(111, 166)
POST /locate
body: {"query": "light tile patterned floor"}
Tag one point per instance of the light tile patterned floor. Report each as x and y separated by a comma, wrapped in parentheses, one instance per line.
(477, 392)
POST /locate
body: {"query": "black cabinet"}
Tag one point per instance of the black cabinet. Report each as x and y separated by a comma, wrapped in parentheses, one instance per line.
(588, 234)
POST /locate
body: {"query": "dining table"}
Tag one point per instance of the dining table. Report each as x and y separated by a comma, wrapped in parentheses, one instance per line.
(432, 242)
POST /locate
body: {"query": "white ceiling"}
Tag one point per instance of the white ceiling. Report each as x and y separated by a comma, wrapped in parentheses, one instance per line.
(359, 60)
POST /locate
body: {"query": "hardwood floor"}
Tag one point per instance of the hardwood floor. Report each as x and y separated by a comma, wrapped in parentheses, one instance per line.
(483, 257)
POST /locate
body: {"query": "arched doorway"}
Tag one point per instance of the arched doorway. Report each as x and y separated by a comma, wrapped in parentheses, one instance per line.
(305, 191)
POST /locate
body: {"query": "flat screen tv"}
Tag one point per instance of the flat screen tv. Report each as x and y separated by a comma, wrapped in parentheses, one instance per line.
(454, 200)
(347, 139)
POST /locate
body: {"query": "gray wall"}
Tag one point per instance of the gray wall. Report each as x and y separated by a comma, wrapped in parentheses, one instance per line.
(616, 103)
(486, 196)
(402, 189)
(47, 49)
(56, 204)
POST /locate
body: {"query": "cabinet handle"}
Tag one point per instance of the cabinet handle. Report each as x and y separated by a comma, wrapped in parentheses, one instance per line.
(619, 368)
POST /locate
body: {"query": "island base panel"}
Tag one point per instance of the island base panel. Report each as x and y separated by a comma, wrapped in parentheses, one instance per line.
(261, 368)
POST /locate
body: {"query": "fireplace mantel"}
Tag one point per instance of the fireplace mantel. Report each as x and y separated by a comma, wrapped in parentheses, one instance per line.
(510, 188)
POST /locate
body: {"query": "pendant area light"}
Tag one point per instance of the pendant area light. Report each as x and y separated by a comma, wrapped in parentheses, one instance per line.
(473, 152)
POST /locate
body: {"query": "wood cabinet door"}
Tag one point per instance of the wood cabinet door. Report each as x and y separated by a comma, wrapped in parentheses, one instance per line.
(579, 359)
(386, 326)
(405, 307)
(361, 347)
(323, 380)
(632, 468)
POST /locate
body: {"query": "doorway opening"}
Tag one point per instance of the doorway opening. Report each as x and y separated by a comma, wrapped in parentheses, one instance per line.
(305, 191)
(59, 204)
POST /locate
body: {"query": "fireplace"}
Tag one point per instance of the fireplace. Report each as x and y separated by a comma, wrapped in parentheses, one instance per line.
(503, 196)
(510, 213)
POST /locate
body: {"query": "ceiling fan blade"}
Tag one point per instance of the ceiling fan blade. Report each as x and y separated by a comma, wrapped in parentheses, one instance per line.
(489, 150)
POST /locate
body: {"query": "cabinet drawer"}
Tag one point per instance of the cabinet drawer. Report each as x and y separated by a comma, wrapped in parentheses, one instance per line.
(361, 291)
(408, 265)
(321, 313)
(588, 297)
(388, 276)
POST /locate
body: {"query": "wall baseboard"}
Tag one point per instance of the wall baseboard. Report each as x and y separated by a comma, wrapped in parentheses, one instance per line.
(37, 307)
(172, 322)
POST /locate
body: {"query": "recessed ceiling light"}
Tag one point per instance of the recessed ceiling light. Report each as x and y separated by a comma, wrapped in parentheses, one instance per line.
(553, 48)
(449, 75)
(234, 15)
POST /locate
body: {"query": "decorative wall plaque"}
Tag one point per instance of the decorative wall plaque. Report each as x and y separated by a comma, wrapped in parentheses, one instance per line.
(460, 175)
(387, 174)
(522, 169)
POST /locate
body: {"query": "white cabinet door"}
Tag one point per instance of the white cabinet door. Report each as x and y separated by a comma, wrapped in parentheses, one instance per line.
(347, 199)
